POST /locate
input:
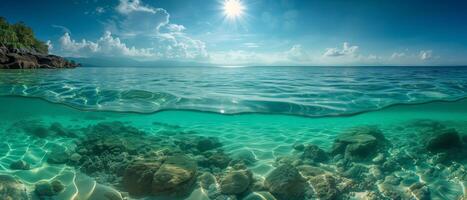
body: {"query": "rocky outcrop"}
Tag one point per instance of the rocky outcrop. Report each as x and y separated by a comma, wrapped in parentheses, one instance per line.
(236, 182)
(285, 182)
(11, 188)
(325, 186)
(12, 58)
(174, 176)
(314, 153)
(20, 165)
(138, 176)
(443, 140)
(359, 143)
(46, 188)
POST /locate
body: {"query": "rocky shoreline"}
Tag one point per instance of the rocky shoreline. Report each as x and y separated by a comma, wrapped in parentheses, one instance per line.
(13, 58)
(362, 164)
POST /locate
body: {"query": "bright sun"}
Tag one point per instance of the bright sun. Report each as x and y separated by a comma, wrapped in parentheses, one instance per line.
(233, 8)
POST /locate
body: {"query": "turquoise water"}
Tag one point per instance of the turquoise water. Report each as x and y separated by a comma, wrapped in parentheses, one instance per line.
(88, 127)
(308, 91)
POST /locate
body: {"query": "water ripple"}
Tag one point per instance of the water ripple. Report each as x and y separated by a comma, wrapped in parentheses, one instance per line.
(309, 91)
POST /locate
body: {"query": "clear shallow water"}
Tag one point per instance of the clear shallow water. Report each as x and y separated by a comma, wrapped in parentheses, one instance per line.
(264, 139)
(268, 138)
(309, 91)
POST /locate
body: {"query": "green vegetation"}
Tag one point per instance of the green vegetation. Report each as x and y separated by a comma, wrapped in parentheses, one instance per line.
(20, 36)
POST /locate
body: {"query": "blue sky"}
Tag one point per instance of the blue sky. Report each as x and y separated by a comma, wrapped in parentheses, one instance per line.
(268, 32)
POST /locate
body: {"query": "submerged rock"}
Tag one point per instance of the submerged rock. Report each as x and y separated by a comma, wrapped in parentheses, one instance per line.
(286, 183)
(392, 180)
(356, 147)
(207, 143)
(236, 182)
(175, 175)
(20, 165)
(298, 147)
(109, 148)
(35, 128)
(359, 143)
(443, 140)
(314, 153)
(214, 159)
(357, 171)
(310, 171)
(75, 157)
(39, 129)
(12, 189)
(325, 186)
(393, 192)
(46, 188)
(59, 130)
(288, 160)
(420, 191)
(245, 156)
(137, 179)
(206, 180)
(258, 185)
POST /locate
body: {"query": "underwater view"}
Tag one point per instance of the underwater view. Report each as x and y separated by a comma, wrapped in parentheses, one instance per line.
(234, 133)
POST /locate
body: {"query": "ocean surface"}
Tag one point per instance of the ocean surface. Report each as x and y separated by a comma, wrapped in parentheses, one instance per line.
(307, 91)
(243, 133)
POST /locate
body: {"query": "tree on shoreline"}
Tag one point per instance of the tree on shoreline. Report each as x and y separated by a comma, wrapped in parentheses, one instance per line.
(20, 36)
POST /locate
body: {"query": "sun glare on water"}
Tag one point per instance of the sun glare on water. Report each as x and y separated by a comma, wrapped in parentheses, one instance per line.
(233, 8)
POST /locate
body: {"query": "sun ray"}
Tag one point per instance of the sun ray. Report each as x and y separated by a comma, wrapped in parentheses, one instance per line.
(233, 8)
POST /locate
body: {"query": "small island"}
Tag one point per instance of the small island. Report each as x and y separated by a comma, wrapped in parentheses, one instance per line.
(19, 49)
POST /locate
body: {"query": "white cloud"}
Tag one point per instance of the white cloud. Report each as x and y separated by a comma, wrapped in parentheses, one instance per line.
(171, 45)
(107, 45)
(349, 55)
(138, 19)
(168, 46)
(142, 22)
(406, 57)
(346, 50)
(175, 28)
(50, 47)
(138, 22)
(129, 6)
(153, 24)
(426, 54)
(398, 55)
(70, 46)
(297, 53)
